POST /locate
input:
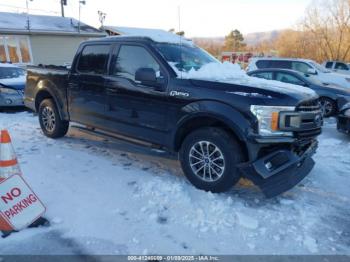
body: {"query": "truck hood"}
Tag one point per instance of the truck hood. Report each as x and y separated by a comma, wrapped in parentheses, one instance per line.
(15, 83)
(238, 82)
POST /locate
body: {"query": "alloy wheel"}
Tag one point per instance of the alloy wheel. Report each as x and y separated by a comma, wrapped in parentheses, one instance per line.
(207, 161)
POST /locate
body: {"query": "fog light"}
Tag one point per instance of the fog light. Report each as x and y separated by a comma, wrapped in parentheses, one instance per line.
(8, 101)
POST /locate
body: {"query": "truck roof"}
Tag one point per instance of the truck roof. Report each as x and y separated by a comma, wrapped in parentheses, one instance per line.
(169, 38)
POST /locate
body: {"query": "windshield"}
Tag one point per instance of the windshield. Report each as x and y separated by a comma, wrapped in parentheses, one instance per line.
(319, 67)
(185, 57)
(11, 72)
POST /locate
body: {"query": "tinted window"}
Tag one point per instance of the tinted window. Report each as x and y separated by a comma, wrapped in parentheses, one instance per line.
(263, 64)
(329, 64)
(265, 75)
(287, 78)
(93, 59)
(300, 67)
(132, 58)
(273, 64)
(280, 64)
(341, 66)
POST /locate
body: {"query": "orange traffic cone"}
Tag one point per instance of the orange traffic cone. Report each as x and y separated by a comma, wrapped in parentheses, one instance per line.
(8, 160)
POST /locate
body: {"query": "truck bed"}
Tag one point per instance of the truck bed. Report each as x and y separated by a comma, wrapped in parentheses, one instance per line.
(45, 79)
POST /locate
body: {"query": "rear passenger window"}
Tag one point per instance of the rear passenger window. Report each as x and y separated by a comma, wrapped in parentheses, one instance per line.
(329, 65)
(263, 64)
(265, 75)
(93, 59)
(287, 78)
(131, 58)
(280, 64)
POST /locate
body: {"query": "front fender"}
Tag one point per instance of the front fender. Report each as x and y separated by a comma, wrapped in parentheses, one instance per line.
(227, 115)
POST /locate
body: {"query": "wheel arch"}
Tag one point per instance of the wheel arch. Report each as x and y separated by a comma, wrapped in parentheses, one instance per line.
(198, 121)
(46, 91)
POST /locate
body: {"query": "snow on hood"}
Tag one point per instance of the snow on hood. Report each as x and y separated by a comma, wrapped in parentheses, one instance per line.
(232, 74)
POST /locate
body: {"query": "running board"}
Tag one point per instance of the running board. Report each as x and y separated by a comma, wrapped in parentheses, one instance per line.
(109, 135)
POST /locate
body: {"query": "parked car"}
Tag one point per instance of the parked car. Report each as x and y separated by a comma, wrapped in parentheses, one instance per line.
(302, 65)
(328, 93)
(12, 83)
(133, 86)
(336, 66)
(343, 118)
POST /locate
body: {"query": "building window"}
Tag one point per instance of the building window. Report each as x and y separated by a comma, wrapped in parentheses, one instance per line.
(15, 49)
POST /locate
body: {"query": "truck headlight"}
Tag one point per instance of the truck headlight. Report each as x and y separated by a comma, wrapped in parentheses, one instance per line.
(9, 91)
(268, 119)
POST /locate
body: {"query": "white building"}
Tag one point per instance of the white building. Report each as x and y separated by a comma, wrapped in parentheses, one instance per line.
(38, 39)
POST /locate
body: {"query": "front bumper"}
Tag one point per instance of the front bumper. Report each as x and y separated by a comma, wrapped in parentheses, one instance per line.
(8, 100)
(280, 170)
(343, 124)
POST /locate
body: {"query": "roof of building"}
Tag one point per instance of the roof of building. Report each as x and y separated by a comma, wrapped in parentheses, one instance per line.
(157, 35)
(42, 24)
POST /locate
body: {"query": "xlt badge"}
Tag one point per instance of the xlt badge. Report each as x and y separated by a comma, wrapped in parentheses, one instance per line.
(178, 93)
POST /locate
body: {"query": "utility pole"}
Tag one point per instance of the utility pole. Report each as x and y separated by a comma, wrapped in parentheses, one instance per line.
(81, 2)
(28, 20)
(101, 17)
(63, 3)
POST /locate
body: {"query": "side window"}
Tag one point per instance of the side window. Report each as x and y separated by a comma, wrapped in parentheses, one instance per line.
(131, 58)
(341, 66)
(329, 65)
(262, 64)
(287, 78)
(301, 67)
(93, 59)
(280, 64)
(265, 75)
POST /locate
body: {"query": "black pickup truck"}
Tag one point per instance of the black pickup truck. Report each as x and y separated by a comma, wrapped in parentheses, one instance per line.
(222, 131)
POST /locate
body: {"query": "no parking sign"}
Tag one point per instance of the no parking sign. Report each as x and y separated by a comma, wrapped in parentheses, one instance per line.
(19, 205)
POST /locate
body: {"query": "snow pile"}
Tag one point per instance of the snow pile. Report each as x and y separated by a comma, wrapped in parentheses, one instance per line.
(233, 74)
(157, 35)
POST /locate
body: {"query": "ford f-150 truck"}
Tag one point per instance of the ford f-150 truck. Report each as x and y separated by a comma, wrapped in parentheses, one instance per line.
(155, 91)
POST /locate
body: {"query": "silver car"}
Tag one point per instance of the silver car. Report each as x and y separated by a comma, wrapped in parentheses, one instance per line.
(12, 83)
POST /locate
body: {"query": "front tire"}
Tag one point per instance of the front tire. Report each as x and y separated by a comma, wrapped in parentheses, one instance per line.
(209, 157)
(328, 106)
(50, 121)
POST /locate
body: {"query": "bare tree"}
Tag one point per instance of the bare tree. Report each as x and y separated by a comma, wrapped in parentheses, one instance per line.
(328, 21)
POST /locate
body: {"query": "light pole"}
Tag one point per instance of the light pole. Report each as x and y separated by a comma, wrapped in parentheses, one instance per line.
(81, 2)
(63, 3)
(101, 17)
(27, 6)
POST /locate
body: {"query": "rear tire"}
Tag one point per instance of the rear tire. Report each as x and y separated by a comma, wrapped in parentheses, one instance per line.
(328, 106)
(50, 121)
(209, 157)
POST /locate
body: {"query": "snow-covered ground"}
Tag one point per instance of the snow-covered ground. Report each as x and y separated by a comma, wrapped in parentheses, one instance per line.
(111, 197)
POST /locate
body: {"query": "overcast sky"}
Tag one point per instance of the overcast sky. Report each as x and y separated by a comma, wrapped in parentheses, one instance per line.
(198, 17)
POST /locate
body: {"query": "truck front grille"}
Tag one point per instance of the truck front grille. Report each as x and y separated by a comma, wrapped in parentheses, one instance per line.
(310, 128)
(309, 106)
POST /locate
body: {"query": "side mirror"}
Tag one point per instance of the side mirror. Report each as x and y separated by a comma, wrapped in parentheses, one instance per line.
(312, 71)
(146, 76)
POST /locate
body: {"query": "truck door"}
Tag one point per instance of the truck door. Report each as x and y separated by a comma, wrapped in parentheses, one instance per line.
(133, 108)
(86, 87)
